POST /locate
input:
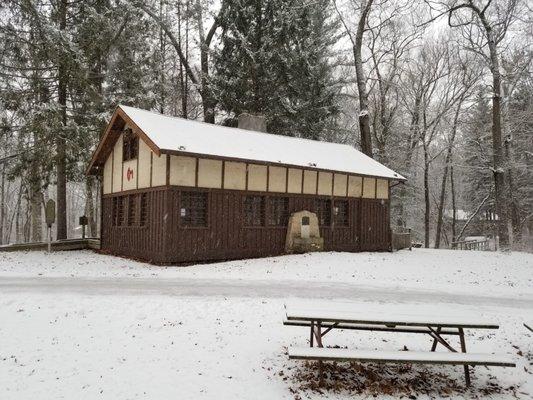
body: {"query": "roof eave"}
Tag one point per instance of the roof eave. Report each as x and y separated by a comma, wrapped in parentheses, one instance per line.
(399, 178)
(101, 152)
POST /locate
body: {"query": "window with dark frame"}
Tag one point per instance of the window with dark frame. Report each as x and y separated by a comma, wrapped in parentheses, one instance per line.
(130, 145)
(193, 209)
(114, 212)
(143, 214)
(340, 213)
(117, 213)
(132, 210)
(278, 211)
(254, 210)
(122, 210)
(323, 211)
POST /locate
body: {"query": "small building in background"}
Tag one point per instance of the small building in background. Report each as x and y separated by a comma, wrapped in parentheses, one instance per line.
(179, 191)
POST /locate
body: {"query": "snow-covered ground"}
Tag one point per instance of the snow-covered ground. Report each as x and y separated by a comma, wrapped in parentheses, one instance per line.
(82, 325)
(465, 272)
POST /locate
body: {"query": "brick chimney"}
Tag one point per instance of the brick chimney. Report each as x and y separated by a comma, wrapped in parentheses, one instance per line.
(252, 122)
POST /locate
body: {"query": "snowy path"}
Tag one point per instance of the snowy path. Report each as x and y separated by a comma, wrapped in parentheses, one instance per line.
(187, 287)
(466, 273)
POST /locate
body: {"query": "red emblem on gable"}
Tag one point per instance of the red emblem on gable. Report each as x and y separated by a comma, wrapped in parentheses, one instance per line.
(129, 174)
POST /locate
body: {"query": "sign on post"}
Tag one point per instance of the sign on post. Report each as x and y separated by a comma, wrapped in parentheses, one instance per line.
(50, 218)
(50, 212)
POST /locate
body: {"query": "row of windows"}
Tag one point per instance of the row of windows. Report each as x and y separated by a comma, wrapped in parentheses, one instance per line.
(260, 210)
(130, 210)
(325, 212)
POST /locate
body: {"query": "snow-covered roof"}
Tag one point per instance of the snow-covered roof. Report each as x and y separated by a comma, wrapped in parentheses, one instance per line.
(186, 136)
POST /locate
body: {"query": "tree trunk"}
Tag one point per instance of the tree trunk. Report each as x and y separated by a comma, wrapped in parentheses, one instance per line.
(18, 233)
(447, 161)
(208, 103)
(97, 208)
(36, 213)
(183, 78)
(26, 226)
(162, 49)
(364, 117)
(454, 205)
(514, 209)
(8, 231)
(2, 203)
(498, 155)
(61, 142)
(427, 209)
(498, 166)
(186, 90)
(442, 201)
(89, 206)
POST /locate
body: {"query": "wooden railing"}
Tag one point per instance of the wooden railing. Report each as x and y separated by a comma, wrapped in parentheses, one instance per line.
(471, 245)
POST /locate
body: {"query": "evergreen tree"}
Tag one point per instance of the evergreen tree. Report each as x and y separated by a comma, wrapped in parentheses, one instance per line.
(276, 60)
(67, 73)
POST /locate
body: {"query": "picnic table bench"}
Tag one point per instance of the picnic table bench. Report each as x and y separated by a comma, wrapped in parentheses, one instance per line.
(322, 321)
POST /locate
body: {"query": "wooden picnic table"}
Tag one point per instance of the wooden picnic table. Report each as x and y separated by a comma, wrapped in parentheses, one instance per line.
(323, 320)
(337, 316)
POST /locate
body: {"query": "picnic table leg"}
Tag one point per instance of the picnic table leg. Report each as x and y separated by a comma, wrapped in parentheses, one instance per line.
(311, 339)
(463, 349)
(435, 341)
(436, 336)
(318, 334)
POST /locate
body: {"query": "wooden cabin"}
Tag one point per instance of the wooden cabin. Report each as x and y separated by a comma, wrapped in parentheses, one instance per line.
(179, 191)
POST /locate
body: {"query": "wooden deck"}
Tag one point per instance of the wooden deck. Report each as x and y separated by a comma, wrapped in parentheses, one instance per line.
(57, 245)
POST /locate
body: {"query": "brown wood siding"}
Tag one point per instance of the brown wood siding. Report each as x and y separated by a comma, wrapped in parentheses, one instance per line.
(345, 238)
(226, 237)
(142, 242)
(375, 225)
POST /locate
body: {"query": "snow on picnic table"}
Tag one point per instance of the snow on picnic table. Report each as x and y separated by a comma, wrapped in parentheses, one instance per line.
(469, 272)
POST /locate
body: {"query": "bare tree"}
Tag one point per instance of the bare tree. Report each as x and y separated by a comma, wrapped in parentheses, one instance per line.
(484, 25)
(469, 74)
(430, 89)
(201, 81)
(389, 45)
(361, 9)
(184, 82)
